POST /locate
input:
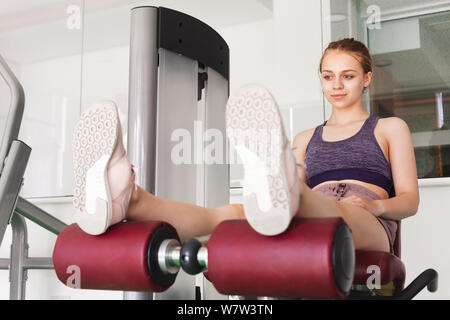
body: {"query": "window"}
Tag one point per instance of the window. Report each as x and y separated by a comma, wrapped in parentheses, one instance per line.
(410, 44)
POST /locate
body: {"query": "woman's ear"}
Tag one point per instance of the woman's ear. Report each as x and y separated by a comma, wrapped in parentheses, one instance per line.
(367, 78)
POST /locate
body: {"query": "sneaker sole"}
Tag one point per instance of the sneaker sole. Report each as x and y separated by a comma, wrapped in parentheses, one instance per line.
(251, 115)
(95, 138)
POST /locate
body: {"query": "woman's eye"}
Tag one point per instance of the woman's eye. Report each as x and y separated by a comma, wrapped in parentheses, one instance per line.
(346, 77)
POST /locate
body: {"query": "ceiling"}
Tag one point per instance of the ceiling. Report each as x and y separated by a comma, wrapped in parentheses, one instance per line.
(391, 7)
(427, 62)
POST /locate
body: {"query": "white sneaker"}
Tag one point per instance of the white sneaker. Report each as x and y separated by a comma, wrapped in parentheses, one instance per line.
(271, 186)
(104, 178)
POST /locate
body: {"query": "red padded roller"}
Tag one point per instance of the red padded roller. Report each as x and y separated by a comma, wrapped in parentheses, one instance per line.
(115, 260)
(314, 258)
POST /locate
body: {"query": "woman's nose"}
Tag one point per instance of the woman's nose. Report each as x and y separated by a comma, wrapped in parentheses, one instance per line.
(337, 84)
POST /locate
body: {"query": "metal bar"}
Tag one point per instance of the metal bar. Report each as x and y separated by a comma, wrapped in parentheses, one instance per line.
(4, 264)
(11, 181)
(202, 257)
(35, 263)
(38, 263)
(19, 251)
(143, 95)
(39, 216)
(428, 278)
(143, 84)
(15, 113)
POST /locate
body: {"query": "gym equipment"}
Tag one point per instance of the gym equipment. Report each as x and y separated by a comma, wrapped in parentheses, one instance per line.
(124, 258)
(14, 155)
(314, 258)
(178, 90)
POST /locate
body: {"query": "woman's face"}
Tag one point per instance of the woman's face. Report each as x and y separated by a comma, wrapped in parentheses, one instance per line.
(342, 74)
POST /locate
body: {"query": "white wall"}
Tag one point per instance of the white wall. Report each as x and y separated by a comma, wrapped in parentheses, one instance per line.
(282, 54)
(425, 236)
(52, 100)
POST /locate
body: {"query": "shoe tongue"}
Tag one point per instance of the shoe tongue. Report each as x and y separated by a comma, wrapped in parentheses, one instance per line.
(119, 150)
(119, 176)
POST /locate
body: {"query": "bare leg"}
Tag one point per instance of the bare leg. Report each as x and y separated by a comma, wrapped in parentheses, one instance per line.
(368, 233)
(192, 221)
(189, 220)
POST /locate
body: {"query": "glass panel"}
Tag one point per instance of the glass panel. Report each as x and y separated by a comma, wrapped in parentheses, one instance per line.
(412, 68)
(42, 41)
(106, 55)
(409, 41)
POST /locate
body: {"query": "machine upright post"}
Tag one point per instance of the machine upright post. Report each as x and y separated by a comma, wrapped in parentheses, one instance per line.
(10, 133)
(16, 108)
(11, 180)
(179, 70)
(19, 252)
(143, 88)
(141, 144)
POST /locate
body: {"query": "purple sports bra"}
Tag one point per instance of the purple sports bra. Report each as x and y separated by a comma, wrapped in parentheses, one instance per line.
(358, 157)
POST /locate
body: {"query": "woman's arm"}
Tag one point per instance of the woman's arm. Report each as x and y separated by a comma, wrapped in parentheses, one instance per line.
(299, 144)
(399, 207)
(404, 172)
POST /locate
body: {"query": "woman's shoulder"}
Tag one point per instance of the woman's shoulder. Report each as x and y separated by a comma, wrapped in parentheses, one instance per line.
(387, 126)
(303, 137)
(392, 121)
(300, 142)
(391, 128)
(391, 125)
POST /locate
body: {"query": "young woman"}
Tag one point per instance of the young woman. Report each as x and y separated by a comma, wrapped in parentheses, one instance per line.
(356, 158)
(352, 162)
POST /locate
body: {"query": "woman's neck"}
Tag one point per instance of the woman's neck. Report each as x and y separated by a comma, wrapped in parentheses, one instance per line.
(342, 117)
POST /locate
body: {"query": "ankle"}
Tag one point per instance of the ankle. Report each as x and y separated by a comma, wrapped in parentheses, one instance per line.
(135, 194)
(231, 211)
(239, 210)
(134, 200)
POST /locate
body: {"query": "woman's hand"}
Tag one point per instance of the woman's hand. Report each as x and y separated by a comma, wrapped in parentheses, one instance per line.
(373, 206)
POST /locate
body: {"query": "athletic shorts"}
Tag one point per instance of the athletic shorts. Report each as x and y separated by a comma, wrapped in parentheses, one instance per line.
(340, 190)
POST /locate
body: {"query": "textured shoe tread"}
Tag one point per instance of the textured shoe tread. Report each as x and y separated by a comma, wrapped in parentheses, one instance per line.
(253, 109)
(95, 135)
